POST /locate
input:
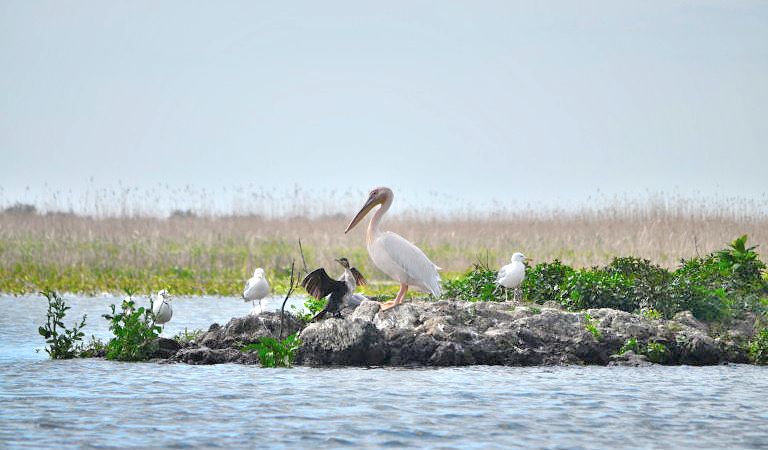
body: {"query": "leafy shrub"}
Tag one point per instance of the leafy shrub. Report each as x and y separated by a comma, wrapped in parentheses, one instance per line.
(656, 352)
(715, 287)
(135, 333)
(650, 313)
(545, 281)
(591, 327)
(275, 353)
(758, 347)
(596, 288)
(314, 305)
(740, 264)
(479, 284)
(63, 342)
(630, 344)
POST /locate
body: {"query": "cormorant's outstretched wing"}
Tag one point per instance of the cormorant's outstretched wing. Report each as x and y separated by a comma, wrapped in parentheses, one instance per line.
(318, 284)
(359, 278)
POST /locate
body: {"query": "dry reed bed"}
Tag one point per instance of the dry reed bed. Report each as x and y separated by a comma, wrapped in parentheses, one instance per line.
(228, 248)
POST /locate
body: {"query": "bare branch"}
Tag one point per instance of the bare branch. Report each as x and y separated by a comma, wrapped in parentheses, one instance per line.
(291, 287)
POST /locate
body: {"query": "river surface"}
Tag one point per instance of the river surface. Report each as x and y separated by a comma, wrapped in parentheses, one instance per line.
(95, 403)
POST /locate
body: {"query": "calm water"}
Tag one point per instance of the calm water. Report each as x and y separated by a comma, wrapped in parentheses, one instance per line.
(100, 404)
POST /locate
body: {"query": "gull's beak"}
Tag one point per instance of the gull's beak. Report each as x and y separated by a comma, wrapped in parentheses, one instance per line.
(372, 201)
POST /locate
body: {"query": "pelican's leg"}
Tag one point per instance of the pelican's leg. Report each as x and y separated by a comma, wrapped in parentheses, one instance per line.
(400, 295)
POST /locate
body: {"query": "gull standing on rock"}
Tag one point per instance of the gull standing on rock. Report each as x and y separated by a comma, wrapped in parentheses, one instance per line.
(512, 275)
(393, 254)
(162, 308)
(256, 288)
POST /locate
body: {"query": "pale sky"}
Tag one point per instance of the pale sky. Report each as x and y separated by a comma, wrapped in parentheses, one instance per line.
(509, 101)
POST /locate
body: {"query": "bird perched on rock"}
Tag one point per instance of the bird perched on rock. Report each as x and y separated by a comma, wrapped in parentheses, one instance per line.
(512, 275)
(319, 285)
(353, 278)
(256, 288)
(161, 307)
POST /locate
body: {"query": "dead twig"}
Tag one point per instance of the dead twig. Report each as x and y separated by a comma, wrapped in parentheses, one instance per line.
(303, 261)
(291, 287)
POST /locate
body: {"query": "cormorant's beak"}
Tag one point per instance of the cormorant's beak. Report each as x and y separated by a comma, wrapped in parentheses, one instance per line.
(369, 204)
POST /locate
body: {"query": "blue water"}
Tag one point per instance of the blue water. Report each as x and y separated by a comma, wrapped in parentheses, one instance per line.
(100, 404)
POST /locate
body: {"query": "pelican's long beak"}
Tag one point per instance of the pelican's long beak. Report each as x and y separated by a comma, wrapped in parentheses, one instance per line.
(372, 201)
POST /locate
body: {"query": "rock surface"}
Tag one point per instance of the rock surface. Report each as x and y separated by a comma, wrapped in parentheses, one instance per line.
(453, 333)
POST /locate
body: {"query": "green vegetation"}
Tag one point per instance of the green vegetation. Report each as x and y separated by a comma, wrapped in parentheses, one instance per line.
(314, 306)
(187, 336)
(630, 345)
(655, 351)
(758, 347)
(275, 353)
(63, 342)
(716, 287)
(479, 284)
(135, 333)
(589, 325)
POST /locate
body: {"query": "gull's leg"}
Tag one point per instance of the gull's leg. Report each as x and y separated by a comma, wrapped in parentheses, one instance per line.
(400, 294)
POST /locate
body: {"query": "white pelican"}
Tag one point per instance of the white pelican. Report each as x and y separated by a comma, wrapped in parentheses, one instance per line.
(319, 285)
(512, 275)
(256, 288)
(162, 308)
(394, 255)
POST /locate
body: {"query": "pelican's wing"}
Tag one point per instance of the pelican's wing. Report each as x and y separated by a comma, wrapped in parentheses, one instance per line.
(318, 284)
(359, 278)
(418, 269)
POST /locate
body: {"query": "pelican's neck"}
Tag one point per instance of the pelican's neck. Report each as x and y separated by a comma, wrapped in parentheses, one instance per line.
(373, 225)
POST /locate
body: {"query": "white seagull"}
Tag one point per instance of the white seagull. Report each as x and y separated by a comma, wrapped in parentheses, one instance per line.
(162, 308)
(512, 275)
(394, 255)
(256, 288)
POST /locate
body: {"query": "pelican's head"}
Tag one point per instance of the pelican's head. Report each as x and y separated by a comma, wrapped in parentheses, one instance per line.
(518, 257)
(344, 262)
(163, 294)
(258, 273)
(377, 196)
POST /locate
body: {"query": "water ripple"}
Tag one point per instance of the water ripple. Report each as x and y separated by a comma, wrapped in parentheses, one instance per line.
(103, 405)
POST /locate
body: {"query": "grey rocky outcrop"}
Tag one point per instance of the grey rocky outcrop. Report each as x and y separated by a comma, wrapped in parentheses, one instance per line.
(451, 333)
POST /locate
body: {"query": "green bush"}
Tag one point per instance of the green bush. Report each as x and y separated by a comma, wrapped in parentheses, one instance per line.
(655, 351)
(630, 344)
(715, 287)
(275, 353)
(758, 347)
(63, 342)
(595, 288)
(135, 333)
(591, 327)
(545, 281)
(479, 284)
